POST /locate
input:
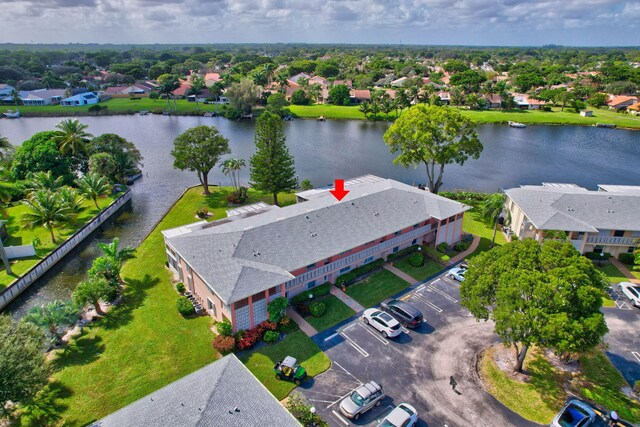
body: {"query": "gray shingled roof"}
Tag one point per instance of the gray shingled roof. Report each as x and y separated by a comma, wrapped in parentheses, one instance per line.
(570, 209)
(242, 257)
(206, 398)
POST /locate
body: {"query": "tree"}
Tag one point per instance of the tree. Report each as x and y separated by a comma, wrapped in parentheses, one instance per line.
(537, 294)
(339, 95)
(299, 97)
(563, 98)
(232, 168)
(52, 316)
(102, 164)
(5, 147)
(306, 184)
(244, 95)
(72, 138)
(43, 181)
(110, 264)
(91, 292)
(94, 186)
(70, 199)
(197, 86)
(45, 210)
(272, 167)
(168, 83)
(40, 154)
(126, 157)
(433, 135)
(23, 371)
(302, 412)
(276, 308)
(199, 149)
(598, 100)
(365, 107)
(490, 210)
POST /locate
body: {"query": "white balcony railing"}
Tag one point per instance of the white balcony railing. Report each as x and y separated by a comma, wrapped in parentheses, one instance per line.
(612, 240)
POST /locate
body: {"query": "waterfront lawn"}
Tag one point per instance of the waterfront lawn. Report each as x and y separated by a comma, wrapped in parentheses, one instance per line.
(21, 235)
(297, 344)
(337, 311)
(376, 288)
(143, 343)
(476, 225)
(428, 269)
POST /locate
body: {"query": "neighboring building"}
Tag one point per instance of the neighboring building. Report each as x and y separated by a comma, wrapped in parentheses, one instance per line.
(87, 98)
(525, 102)
(183, 90)
(211, 78)
(357, 96)
(223, 393)
(41, 97)
(298, 76)
(399, 82)
(204, 95)
(347, 83)
(5, 90)
(445, 97)
(122, 91)
(621, 102)
(494, 101)
(236, 265)
(586, 113)
(595, 221)
(634, 109)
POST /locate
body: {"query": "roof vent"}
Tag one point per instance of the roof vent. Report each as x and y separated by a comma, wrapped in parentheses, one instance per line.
(376, 214)
(306, 216)
(236, 409)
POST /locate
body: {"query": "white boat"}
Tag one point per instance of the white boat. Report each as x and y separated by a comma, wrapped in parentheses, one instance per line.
(10, 114)
(516, 125)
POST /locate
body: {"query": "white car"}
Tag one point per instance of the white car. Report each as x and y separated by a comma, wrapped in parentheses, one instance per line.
(404, 415)
(631, 291)
(456, 274)
(383, 322)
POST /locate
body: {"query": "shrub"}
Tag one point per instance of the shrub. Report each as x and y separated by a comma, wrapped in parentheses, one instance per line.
(184, 306)
(180, 287)
(636, 386)
(461, 246)
(354, 274)
(596, 255)
(442, 247)
(224, 328)
(317, 308)
(276, 308)
(287, 325)
(416, 259)
(435, 255)
(239, 197)
(95, 108)
(402, 253)
(464, 195)
(318, 291)
(270, 336)
(224, 344)
(202, 213)
(249, 338)
(626, 258)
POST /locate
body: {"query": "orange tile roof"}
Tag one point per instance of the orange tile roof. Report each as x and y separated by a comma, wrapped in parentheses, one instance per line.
(616, 100)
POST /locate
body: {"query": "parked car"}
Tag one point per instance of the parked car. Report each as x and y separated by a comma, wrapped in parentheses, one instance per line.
(403, 415)
(631, 291)
(384, 323)
(574, 414)
(456, 274)
(361, 400)
(403, 312)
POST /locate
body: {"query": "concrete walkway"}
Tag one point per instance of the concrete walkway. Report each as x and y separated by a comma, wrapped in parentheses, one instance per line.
(462, 255)
(304, 325)
(346, 299)
(401, 274)
(624, 270)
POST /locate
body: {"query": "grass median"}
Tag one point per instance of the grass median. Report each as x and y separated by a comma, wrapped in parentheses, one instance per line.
(428, 269)
(337, 311)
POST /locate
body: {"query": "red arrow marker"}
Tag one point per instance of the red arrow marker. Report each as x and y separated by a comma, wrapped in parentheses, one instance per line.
(339, 191)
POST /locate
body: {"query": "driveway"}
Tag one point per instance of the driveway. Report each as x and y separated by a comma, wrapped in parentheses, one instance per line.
(415, 367)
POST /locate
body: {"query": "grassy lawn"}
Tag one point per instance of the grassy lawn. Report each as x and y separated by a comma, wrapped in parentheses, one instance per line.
(429, 268)
(143, 343)
(337, 311)
(20, 235)
(615, 276)
(376, 288)
(543, 395)
(261, 362)
(474, 224)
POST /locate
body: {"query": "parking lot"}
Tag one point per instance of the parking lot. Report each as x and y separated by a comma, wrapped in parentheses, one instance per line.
(415, 367)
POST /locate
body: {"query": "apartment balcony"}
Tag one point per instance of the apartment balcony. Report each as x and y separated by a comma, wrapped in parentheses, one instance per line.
(612, 240)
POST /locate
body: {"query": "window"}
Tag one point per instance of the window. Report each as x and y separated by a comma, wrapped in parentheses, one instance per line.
(344, 270)
(211, 306)
(310, 266)
(618, 233)
(416, 225)
(311, 284)
(631, 249)
(368, 260)
(598, 249)
(414, 241)
(274, 291)
(397, 233)
(396, 249)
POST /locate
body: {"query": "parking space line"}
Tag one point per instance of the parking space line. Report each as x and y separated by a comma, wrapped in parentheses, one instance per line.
(429, 303)
(330, 337)
(375, 335)
(354, 345)
(405, 330)
(622, 305)
(340, 418)
(636, 355)
(341, 397)
(348, 373)
(444, 294)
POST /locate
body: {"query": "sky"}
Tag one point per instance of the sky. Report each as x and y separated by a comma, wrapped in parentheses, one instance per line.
(423, 22)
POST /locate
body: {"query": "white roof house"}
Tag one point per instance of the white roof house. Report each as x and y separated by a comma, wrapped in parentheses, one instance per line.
(5, 89)
(41, 96)
(87, 98)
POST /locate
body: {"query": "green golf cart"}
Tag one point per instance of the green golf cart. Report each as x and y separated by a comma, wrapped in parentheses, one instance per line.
(289, 369)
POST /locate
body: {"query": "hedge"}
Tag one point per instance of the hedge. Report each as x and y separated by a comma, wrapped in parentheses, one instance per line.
(351, 276)
(402, 253)
(596, 255)
(416, 259)
(436, 256)
(464, 195)
(626, 258)
(318, 291)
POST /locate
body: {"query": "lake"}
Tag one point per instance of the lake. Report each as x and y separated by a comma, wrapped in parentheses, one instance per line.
(324, 151)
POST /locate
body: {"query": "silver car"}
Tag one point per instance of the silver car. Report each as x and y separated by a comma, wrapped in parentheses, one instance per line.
(632, 292)
(361, 400)
(574, 414)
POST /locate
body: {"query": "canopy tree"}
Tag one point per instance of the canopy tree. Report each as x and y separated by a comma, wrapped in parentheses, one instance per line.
(433, 135)
(199, 149)
(537, 294)
(23, 371)
(272, 167)
(40, 154)
(126, 158)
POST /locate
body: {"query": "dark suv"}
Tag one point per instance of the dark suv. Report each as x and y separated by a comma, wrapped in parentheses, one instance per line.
(404, 313)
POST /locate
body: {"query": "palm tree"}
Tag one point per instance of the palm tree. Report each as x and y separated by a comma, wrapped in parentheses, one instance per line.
(94, 186)
(268, 69)
(15, 96)
(52, 316)
(71, 137)
(414, 93)
(197, 85)
(365, 107)
(282, 79)
(69, 197)
(43, 181)
(232, 167)
(91, 292)
(45, 211)
(490, 210)
(115, 256)
(167, 86)
(5, 146)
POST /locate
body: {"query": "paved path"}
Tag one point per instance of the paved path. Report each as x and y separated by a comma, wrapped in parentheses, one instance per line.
(401, 274)
(346, 299)
(624, 270)
(304, 325)
(462, 255)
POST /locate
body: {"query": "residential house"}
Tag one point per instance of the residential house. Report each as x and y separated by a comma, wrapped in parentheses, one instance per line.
(236, 265)
(347, 83)
(358, 96)
(223, 393)
(211, 78)
(525, 102)
(634, 109)
(445, 97)
(319, 81)
(204, 95)
(86, 98)
(494, 101)
(183, 90)
(5, 90)
(595, 221)
(41, 97)
(399, 82)
(298, 76)
(620, 103)
(138, 89)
